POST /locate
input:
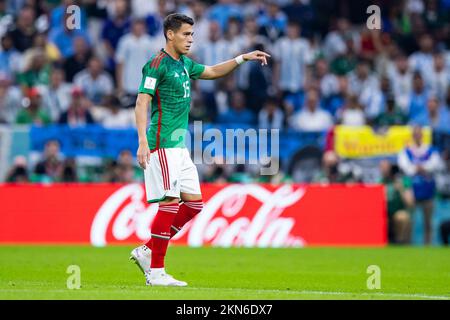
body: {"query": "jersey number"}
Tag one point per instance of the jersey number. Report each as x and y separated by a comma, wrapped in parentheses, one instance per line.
(187, 89)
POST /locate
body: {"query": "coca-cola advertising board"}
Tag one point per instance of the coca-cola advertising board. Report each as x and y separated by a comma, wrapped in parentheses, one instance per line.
(249, 215)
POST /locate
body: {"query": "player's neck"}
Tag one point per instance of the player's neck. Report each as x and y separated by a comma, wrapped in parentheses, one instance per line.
(172, 52)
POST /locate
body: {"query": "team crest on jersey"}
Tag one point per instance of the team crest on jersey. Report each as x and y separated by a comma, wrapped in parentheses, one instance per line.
(150, 83)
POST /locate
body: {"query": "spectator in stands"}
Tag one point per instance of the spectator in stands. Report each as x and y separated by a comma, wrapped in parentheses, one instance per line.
(362, 82)
(347, 61)
(114, 27)
(370, 43)
(111, 171)
(94, 81)
(273, 22)
(216, 172)
(329, 172)
(133, 52)
(155, 20)
(400, 202)
(400, 78)
(393, 116)
(250, 36)
(212, 51)
(422, 61)
(201, 26)
(78, 113)
(301, 12)
(222, 11)
(10, 100)
(50, 167)
(436, 117)
(56, 96)
(142, 8)
(438, 78)
(37, 70)
(311, 117)
(335, 43)
(111, 114)
(420, 162)
(33, 111)
(79, 60)
(375, 99)
(352, 114)
(271, 116)
(127, 170)
(418, 97)
(69, 171)
(240, 174)
(255, 81)
(19, 171)
(238, 114)
(63, 36)
(292, 55)
(321, 79)
(10, 58)
(445, 232)
(24, 29)
(51, 52)
(337, 99)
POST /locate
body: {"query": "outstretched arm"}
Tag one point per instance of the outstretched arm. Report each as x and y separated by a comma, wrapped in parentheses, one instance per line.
(224, 68)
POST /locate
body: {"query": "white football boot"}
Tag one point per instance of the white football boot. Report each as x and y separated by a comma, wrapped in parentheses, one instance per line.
(142, 257)
(159, 277)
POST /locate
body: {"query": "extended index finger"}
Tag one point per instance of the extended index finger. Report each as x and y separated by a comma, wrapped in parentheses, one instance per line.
(264, 53)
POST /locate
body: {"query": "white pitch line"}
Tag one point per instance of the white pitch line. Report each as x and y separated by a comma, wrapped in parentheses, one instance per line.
(263, 291)
(336, 293)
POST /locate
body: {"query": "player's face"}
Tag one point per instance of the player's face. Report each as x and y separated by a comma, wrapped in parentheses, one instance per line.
(183, 38)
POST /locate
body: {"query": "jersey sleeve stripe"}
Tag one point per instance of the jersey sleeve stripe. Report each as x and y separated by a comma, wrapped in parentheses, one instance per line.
(159, 60)
(155, 59)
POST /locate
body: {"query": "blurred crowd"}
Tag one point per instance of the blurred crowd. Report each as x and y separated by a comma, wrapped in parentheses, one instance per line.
(326, 68)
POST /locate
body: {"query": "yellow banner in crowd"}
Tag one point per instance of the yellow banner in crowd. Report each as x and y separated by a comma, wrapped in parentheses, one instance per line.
(363, 142)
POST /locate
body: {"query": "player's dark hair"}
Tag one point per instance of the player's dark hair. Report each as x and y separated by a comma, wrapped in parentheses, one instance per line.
(174, 21)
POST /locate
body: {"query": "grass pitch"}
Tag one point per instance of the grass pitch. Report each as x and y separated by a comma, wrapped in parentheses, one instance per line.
(39, 272)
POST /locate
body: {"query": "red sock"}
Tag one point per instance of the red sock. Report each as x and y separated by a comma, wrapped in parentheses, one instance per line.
(161, 233)
(187, 211)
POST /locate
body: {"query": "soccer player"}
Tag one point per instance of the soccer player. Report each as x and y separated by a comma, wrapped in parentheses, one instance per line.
(169, 173)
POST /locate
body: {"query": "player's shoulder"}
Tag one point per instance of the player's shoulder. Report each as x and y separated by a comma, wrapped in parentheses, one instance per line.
(156, 61)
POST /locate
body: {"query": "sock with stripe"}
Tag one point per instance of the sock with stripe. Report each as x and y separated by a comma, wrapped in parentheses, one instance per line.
(187, 211)
(161, 233)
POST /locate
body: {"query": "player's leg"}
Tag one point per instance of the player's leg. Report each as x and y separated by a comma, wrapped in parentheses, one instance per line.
(190, 195)
(162, 223)
(155, 182)
(159, 242)
(157, 176)
(191, 206)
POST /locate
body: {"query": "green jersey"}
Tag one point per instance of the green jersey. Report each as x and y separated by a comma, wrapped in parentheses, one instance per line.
(168, 81)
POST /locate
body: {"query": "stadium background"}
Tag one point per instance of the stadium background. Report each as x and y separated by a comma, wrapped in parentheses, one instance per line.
(66, 98)
(344, 97)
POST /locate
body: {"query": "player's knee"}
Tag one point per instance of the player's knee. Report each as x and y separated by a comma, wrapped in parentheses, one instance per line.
(195, 206)
(169, 201)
